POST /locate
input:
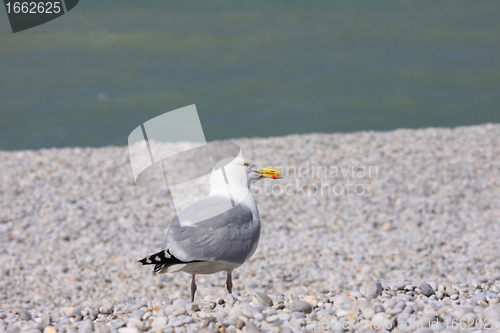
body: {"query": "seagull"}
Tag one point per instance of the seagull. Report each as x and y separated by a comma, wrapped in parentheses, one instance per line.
(198, 245)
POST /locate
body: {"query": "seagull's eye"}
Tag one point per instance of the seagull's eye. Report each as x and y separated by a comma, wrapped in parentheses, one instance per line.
(246, 165)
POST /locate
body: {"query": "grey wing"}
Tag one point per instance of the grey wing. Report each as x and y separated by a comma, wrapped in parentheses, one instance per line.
(229, 237)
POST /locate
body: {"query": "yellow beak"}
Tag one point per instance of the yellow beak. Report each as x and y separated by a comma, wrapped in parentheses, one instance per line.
(270, 173)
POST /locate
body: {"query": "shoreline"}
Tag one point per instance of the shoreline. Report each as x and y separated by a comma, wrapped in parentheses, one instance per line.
(404, 129)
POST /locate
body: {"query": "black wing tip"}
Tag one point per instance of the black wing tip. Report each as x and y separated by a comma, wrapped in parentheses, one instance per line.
(159, 259)
(147, 260)
(158, 268)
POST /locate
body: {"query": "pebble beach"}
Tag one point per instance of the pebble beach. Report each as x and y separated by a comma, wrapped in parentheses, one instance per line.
(370, 231)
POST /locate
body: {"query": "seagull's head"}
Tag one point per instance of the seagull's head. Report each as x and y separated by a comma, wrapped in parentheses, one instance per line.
(242, 172)
(255, 172)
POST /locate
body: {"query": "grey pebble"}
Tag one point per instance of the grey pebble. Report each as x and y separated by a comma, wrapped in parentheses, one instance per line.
(13, 329)
(31, 330)
(136, 323)
(137, 314)
(400, 305)
(264, 299)
(128, 330)
(137, 306)
(106, 309)
(284, 316)
(86, 326)
(341, 299)
(116, 324)
(323, 313)
(368, 312)
(258, 316)
(160, 321)
(271, 311)
(251, 328)
(395, 311)
(300, 306)
(492, 312)
(372, 290)
(426, 289)
(298, 315)
(228, 322)
(389, 304)
(180, 311)
(23, 314)
(433, 285)
(272, 318)
(478, 298)
(100, 328)
(451, 292)
(357, 294)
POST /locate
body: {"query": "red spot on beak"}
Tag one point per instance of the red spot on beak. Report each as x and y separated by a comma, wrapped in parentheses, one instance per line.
(275, 177)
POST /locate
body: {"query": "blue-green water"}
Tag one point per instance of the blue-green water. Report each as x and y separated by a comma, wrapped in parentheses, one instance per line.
(253, 68)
